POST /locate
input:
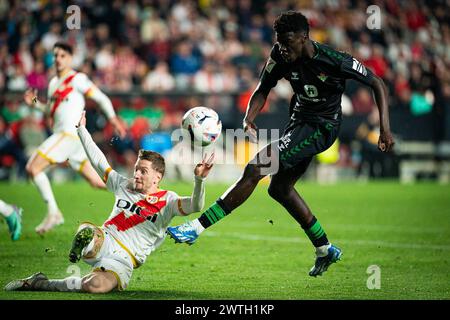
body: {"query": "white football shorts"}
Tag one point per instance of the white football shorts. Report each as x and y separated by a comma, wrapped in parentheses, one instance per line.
(63, 146)
(112, 257)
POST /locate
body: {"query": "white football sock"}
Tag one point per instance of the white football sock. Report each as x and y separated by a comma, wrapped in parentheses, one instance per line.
(197, 226)
(70, 284)
(322, 251)
(44, 187)
(6, 209)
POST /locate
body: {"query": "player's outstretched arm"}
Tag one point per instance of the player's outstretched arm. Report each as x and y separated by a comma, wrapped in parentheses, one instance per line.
(255, 104)
(353, 69)
(386, 141)
(106, 106)
(30, 98)
(196, 201)
(95, 155)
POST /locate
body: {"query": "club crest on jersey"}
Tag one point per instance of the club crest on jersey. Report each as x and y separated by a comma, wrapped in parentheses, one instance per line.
(152, 199)
(294, 76)
(322, 76)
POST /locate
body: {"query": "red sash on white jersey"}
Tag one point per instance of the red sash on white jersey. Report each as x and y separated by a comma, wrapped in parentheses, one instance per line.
(148, 208)
(61, 93)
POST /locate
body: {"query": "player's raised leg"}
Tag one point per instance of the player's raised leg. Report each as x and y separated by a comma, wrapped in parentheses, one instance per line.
(237, 194)
(282, 189)
(99, 282)
(35, 169)
(86, 243)
(13, 216)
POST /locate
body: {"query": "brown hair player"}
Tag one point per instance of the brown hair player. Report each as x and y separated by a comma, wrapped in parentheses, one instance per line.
(135, 228)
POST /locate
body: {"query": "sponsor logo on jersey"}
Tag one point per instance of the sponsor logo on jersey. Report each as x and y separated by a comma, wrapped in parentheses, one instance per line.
(294, 76)
(141, 211)
(311, 90)
(284, 141)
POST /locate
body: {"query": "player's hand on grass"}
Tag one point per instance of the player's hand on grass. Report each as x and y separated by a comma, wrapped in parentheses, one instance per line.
(250, 128)
(119, 127)
(82, 121)
(203, 168)
(30, 97)
(386, 141)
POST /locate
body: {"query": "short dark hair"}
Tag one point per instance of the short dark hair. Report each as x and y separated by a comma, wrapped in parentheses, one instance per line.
(155, 158)
(63, 45)
(291, 21)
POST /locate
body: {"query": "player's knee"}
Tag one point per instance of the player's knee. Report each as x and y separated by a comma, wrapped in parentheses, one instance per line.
(279, 192)
(94, 284)
(31, 170)
(90, 284)
(253, 172)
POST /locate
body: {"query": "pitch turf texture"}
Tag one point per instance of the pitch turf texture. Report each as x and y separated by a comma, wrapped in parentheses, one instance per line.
(258, 252)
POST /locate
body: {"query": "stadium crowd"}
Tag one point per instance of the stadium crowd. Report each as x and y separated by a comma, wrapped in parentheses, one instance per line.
(214, 47)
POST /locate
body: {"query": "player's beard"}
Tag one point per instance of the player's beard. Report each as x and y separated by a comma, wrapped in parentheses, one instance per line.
(138, 186)
(133, 186)
(61, 70)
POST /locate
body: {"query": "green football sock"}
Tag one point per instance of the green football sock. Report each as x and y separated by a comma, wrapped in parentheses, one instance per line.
(315, 233)
(213, 214)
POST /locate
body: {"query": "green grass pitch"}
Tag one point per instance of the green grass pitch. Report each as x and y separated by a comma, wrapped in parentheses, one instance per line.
(258, 252)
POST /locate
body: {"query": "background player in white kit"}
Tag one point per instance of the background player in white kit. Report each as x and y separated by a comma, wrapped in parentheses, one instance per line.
(136, 226)
(65, 104)
(13, 217)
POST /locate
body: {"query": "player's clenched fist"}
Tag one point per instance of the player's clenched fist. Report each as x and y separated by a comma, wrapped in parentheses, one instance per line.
(385, 142)
(250, 129)
(30, 97)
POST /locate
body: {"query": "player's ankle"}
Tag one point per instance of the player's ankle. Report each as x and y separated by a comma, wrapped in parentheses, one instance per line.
(198, 227)
(322, 251)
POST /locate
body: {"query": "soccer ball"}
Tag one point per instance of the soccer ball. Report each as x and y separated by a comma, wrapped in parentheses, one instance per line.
(203, 125)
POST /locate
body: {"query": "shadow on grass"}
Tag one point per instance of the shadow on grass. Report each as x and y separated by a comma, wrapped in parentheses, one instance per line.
(122, 295)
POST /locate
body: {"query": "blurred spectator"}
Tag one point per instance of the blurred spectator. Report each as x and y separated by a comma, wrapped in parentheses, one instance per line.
(185, 60)
(38, 77)
(376, 62)
(24, 58)
(124, 65)
(159, 79)
(187, 34)
(52, 36)
(216, 47)
(184, 64)
(153, 26)
(11, 149)
(208, 80)
(10, 111)
(17, 80)
(362, 101)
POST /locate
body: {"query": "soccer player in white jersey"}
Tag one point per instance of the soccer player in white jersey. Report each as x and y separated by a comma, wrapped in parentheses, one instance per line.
(135, 228)
(65, 104)
(13, 217)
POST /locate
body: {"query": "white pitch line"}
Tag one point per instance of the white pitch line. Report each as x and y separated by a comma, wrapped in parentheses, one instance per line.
(378, 243)
(385, 228)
